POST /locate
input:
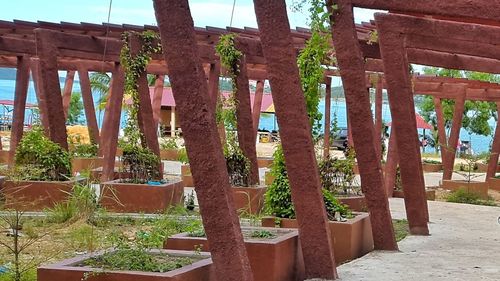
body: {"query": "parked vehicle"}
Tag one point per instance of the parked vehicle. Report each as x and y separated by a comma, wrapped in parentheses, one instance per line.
(339, 139)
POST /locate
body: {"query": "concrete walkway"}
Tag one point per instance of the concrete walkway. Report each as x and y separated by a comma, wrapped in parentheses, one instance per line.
(464, 245)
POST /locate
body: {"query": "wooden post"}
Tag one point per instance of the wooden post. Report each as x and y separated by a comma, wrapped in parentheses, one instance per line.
(458, 113)
(68, 89)
(88, 105)
(257, 104)
(157, 96)
(328, 105)
(495, 149)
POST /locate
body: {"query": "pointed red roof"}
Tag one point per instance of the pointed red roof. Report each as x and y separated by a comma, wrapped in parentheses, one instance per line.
(421, 124)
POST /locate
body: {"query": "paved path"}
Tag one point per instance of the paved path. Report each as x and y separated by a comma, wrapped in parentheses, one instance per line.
(464, 245)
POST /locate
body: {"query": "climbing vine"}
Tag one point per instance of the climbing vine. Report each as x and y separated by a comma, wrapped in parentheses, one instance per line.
(230, 59)
(139, 161)
(238, 165)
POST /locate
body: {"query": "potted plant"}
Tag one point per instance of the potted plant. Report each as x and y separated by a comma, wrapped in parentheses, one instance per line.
(467, 171)
(431, 166)
(338, 177)
(169, 149)
(41, 175)
(83, 155)
(351, 233)
(274, 253)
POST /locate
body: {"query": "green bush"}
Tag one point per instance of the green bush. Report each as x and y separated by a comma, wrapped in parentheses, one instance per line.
(169, 143)
(182, 156)
(36, 152)
(142, 164)
(237, 165)
(463, 196)
(84, 150)
(278, 197)
(431, 161)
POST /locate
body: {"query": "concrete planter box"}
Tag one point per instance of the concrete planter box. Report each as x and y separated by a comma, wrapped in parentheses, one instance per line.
(36, 195)
(277, 259)
(494, 183)
(249, 200)
(119, 152)
(141, 198)
(480, 188)
(483, 168)
(96, 174)
(431, 194)
(351, 239)
(169, 154)
(264, 162)
(85, 164)
(432, 168)
(355, 203)
(187, 178)
(4, 156)
(69, 270)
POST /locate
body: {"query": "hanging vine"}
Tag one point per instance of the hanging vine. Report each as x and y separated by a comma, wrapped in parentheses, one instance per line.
(139, 161)
(238, 165)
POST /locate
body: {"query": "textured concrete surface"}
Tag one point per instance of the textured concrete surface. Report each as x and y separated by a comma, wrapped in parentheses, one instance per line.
(463, 245)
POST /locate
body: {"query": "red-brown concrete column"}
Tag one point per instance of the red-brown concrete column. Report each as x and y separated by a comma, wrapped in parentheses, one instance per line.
(50, 88)
(456, 125)
(443, 140)
(328, 105)
(244, 124)
(67, 90)
(22, 81)
(158, 92)
(403, 121)
(111, 124)
(351, 64)
(495, 149)
(202, 141)
(88, 105)
(295, 132)
(378, 115)
(35, 72)
(257, 104)
(350, 139)
(145, 112)
(213, 83)
(391, 164)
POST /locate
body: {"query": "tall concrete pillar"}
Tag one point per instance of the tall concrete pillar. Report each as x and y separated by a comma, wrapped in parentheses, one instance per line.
(67, 90)
(328, 105)
(157, 96)
(88, 105)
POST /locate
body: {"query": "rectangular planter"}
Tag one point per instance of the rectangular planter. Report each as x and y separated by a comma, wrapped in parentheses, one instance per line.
(141, 198)
(96, 174)
(351, 239)
(85, 164)
(480, 188)
(355, 203)
(69, 270)
(36, 195)
(264, 162)
(494, 183)
(432, 168)
(277, 259)
(431, 194)
(169, 154)
(483, 168)
(249, 200)
(186, 176)
(4, 156)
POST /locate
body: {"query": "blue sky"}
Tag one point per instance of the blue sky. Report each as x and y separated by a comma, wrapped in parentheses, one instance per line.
(212, 13)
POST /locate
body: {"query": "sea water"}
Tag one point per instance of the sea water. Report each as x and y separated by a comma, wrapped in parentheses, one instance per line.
(267, 121)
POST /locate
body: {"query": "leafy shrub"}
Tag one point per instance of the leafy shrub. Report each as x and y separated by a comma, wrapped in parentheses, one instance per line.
(182, 156)
(238, 166)
(80, 149)
(81, 205)
(431, 161)
(169, 143)
(337, 175)
(36, 152)
(278, 197)
(463, 196)
(141, 163)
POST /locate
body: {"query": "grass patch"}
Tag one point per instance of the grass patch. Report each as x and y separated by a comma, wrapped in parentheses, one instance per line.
(463, 196)
(401, 229)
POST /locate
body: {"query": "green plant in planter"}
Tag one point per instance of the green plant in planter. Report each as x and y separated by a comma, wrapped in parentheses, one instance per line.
(182, 156)
(141, 163)
(278, 198)
(39, 158)
(168, 144)
(337, 175)
(431, 161)
(78, 149)
(238, 166)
